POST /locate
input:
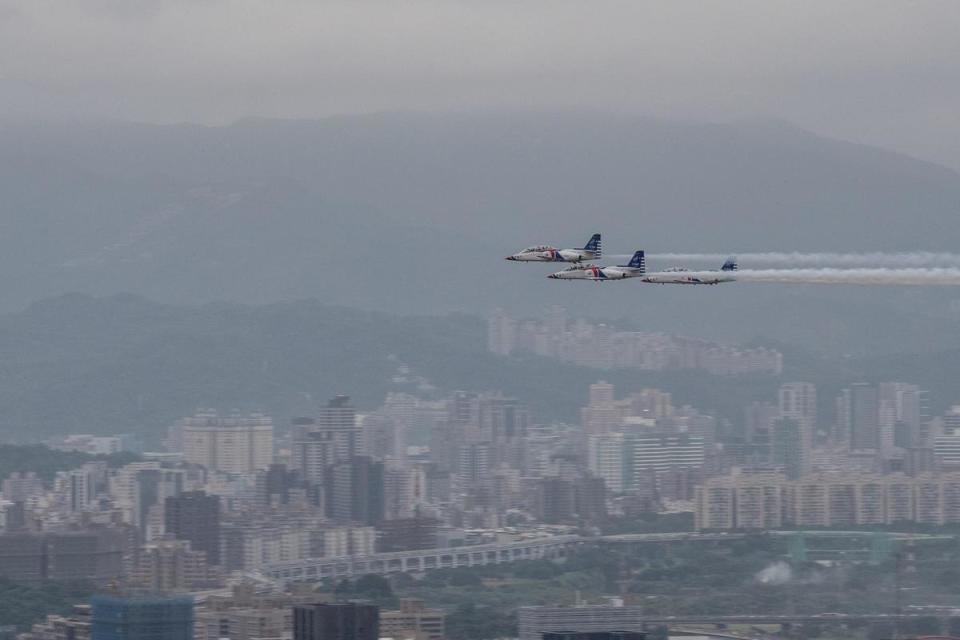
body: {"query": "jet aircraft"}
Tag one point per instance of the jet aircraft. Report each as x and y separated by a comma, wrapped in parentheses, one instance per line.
(633, 269)
(580, 272)
(543, 253)
(686, 276)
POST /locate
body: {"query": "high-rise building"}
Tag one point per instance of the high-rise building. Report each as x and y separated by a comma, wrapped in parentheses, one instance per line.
(649, 403)
(503, 418)
(17, 487)
(590, 498)
(151, 489)
(864, 417)
(80, 489)
(332, 437)
(340, 621)
(798, 401)
(171, 565)
(789, 447)
(602, 415)
(662, 452)
(278, 482)
(601, 394)
(555, 501)
(405, 490)
(607, 459)
(142, 618)
(843, 415)
(354, 491)
(740, 501)
(473, 462)
(900, 416)
(759, 417)
(229, 444)
(139, 486)
(946, 444)
(195, 516)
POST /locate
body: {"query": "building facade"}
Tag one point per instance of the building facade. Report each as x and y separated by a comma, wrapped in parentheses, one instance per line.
(228, 444)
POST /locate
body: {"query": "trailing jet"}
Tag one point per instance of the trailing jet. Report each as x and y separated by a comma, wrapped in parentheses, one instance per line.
(685, 276)
(633, 269)
(591, 251)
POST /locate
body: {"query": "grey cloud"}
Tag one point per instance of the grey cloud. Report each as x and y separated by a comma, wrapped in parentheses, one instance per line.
(878, 71)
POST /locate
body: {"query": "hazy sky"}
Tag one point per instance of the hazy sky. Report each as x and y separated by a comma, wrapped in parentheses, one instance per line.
(875, 71)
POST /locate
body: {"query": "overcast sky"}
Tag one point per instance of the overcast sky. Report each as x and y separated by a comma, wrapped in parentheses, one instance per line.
(875, 71)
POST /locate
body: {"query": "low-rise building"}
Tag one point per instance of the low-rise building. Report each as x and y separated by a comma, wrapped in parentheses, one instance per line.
(413, 621)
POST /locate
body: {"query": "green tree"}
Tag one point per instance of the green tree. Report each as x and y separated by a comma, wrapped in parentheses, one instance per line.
(471, 622)
(373, 586)
(22, 605)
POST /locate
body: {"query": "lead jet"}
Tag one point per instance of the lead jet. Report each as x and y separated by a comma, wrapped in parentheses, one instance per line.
(590, 251)
(685, 276)
(633, 269)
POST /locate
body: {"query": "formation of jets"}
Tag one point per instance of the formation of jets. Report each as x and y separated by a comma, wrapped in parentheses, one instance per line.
(636, 268)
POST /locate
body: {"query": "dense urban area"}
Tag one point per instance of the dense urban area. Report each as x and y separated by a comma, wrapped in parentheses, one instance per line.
(461, 515)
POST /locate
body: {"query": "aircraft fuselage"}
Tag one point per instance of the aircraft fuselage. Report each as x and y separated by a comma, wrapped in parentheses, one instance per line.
(687, 278)
(553, 255)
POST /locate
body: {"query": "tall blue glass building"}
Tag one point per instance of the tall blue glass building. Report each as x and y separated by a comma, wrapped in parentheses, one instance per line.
(141, 618)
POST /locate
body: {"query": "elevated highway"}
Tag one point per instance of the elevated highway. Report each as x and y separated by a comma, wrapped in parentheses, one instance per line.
(312, 569)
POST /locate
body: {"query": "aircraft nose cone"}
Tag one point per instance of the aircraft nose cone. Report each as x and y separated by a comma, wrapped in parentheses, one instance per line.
(510, 258)
(553, 276)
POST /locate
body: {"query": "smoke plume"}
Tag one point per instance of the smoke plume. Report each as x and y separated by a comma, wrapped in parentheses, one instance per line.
(776, 574)
(902, 259)
(894, 277)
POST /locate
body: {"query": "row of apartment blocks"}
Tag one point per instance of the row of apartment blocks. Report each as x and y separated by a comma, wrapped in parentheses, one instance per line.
(770, 501)
(603, 347)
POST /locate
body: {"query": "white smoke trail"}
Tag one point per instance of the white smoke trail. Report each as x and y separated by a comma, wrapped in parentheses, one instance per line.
(875, 259)
(894, 277)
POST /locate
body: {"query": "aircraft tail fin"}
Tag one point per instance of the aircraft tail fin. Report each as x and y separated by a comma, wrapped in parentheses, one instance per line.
(730, 264)
(638, 261)
(594, 245)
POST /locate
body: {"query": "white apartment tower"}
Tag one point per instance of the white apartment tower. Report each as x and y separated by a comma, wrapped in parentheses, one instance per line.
(602, 415)
(607, 459)
(228, 444)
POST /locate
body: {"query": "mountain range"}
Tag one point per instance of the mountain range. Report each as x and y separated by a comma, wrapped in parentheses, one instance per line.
(413, 213)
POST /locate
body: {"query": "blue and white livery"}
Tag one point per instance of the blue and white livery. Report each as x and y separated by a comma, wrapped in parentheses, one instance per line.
(543, 253)
(633, 269)
(727, 273)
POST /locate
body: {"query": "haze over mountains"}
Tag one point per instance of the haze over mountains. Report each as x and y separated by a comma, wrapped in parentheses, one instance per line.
(414, 212)
(122, 364)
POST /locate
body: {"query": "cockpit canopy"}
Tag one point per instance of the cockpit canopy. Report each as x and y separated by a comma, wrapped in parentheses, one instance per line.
(536, 249)
(579, 267)
(676, 269)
